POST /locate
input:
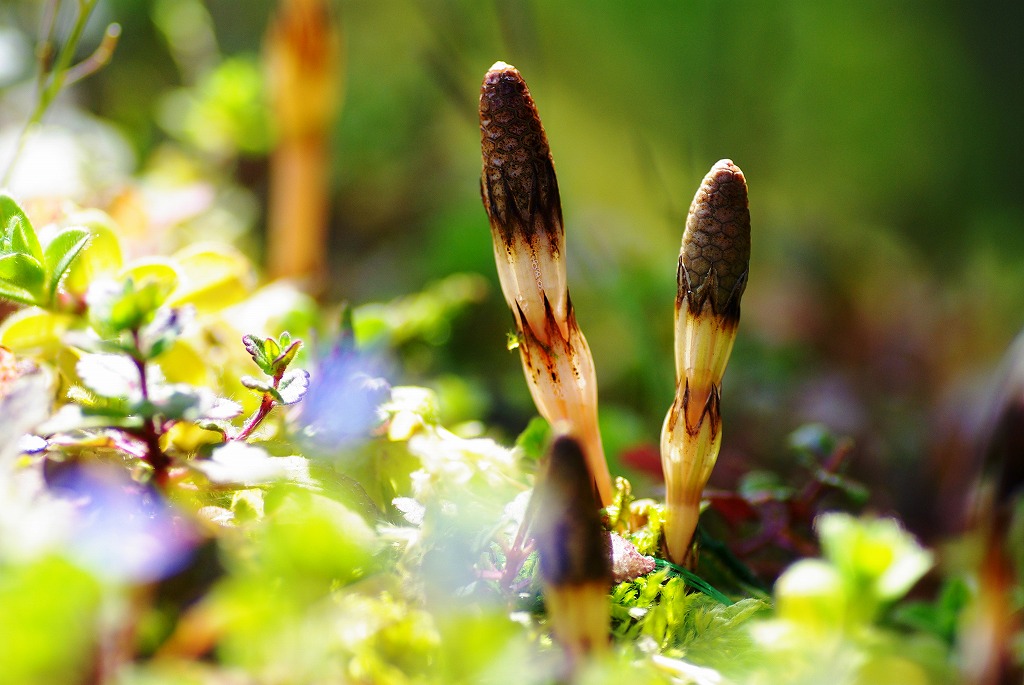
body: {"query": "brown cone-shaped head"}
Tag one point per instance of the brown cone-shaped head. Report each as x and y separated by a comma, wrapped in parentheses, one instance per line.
(716, 243)
(518, 185)
(573, 546)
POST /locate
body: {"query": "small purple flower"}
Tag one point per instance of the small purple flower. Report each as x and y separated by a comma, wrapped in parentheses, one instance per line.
(340, 408)
(124, 532)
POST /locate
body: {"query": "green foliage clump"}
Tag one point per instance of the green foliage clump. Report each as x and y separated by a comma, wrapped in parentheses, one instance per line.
(250, 546)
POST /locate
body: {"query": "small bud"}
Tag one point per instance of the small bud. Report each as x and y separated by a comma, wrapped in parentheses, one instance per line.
(520, 194)
(575, 554)
(711, 277)
(716, 243)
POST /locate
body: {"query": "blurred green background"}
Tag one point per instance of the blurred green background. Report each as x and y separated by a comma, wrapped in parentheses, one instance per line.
(878, 139)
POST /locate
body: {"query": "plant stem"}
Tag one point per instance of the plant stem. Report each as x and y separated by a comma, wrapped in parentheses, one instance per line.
(54, 71)
(150, 427)
(256, 419)
(266, 405)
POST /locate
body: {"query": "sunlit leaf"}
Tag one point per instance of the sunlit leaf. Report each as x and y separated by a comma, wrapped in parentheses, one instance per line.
(212, 277)
(255, 347)
(272, 350)
(534, 439)
(189, 403)
(60, 253)
(243, 464)
(110, 375)
(34, 329)
(101, 256)
(224, 112)
(22, 273)
(258, 384)
(874, 555)
(167, 325)
(284, 358)
(116, 306)
(16, 232)
(812, 593)
(41, 600)
(157, 270)
(293, 386)
(13, 293)
(304, 527)
(181, 362)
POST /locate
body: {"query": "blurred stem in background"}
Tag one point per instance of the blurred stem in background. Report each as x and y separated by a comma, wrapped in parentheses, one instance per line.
(55, 69)
(304, 62)
(995, 616)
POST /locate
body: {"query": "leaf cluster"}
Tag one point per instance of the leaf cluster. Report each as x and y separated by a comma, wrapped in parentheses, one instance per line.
(32, 271)
(397, 558)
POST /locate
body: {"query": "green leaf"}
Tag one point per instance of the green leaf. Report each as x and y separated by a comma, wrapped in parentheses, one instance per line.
(293, 386)
(213, 277)
(877, 558)
(166, 327)
(271, 349)
(758, 484)
(814, 594)
(222, 427)
(153, 269)
(940, 617)
(302, 526)
(72, 417)
(257, 350)
(534, 439)
(126, 305)
(243, 464)
(16, 232)
(258, 384)
(101, 257)
(110, 375)
(188, 403)
(693, 580)
(813, 442)
(282, 360)
(9, 291)
(272, 356)
(59, 254)
(33, 329)
(42, 599)
(22, 272)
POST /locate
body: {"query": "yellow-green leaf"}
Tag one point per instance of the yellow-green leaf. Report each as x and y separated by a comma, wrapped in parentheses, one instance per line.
(182, 363)
(100, 257)
(213, 277)
(34, 329)
(16, 232)
(19, 273)
(155, 270)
